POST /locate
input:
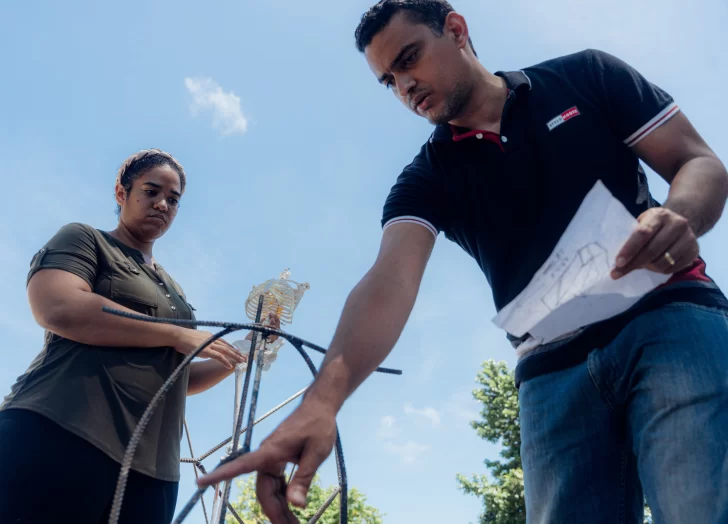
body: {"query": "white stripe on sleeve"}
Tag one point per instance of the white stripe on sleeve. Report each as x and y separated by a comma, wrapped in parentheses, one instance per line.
(659, 119)
(411, 220)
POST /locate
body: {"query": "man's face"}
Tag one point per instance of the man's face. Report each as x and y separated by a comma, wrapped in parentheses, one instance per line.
(426, 72)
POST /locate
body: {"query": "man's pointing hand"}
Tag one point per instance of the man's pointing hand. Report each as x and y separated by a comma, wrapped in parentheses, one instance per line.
(305, 438)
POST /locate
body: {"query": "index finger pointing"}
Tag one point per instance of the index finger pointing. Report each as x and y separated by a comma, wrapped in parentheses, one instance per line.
(247, 463)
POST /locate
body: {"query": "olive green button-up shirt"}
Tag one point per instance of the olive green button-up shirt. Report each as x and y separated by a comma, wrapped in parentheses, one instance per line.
(100, 393)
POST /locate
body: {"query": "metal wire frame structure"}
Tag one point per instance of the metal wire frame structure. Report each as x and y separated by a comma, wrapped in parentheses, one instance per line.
(223, 504)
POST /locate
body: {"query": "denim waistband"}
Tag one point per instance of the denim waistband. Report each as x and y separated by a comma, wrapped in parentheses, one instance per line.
(571, 352)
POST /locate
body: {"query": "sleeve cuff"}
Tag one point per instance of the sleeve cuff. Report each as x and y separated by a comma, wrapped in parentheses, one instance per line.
(412, 220)
(659, 119)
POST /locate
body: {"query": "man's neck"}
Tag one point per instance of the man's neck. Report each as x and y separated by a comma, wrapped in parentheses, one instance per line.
(485, 108)
(123, 234)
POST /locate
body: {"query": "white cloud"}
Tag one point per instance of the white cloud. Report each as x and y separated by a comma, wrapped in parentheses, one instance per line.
(409, 452)
(462, 407)
(429, 414)
(208, 95)
(388, 428)
(388, 431)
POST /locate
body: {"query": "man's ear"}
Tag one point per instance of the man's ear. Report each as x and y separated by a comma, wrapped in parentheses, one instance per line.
(457, 28)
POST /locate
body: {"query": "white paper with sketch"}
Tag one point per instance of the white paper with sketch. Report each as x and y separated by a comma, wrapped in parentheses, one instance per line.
(574, 288)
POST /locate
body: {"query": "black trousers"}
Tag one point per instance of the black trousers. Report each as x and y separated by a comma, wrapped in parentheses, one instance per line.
(48, 474)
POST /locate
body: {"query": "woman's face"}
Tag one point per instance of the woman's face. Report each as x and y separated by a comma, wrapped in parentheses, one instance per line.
(149, 208)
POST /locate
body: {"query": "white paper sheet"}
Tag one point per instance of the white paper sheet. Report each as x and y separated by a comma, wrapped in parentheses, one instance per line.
(574, 288)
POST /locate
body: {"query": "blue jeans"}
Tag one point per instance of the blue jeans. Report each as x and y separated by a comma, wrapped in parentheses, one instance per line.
(646, 416)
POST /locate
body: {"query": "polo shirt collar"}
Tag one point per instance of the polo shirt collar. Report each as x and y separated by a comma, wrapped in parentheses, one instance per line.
(516, 81)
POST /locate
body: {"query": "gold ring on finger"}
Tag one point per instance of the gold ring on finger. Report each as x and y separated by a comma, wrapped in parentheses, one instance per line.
(669, 258)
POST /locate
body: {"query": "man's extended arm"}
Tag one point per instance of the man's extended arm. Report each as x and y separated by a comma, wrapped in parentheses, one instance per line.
(372, 320)
(374, 314)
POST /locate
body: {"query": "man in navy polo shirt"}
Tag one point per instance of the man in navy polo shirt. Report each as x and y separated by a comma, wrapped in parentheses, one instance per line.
(634, 404)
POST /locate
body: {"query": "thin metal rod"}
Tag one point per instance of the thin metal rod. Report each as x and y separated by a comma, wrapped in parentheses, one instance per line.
(189, 443)
(217, 506)
(326, 505)
(234, 326)
(253, 402)
(343, 480)
(239, 375)
(260, 419)
(230, 506)
(340, 464)
(187, 508)
(248, 372)
(254, 398)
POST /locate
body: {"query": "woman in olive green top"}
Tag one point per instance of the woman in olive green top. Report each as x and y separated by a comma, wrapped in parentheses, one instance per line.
(69, 417)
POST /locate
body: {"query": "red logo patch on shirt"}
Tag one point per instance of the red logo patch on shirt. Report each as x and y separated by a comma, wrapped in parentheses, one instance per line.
(563, 117)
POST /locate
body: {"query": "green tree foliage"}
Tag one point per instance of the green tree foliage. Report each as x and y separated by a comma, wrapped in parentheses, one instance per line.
(360, 512)
(501, 490)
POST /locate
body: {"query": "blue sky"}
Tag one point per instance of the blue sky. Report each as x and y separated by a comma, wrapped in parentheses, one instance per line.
(290, 148)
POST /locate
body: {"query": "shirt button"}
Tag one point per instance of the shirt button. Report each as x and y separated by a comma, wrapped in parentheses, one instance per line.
(504, 139)
(173, 308)
(168, 295)
(161, 283)
(479, 135)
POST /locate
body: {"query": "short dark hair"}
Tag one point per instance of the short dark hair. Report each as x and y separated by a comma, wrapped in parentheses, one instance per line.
(432, 13)
(141, 162)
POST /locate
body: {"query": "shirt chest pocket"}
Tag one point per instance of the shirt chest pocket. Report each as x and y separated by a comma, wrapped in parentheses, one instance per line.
(133, 288)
